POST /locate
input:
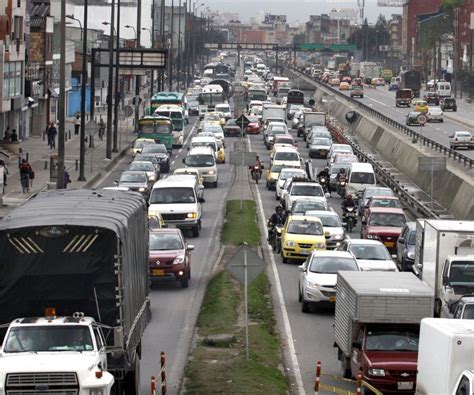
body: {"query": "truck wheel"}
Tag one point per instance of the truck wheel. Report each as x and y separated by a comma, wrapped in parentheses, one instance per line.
(196, 231)
(345, 370)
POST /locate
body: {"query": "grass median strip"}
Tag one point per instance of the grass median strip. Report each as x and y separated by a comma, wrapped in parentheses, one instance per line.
(218, 364)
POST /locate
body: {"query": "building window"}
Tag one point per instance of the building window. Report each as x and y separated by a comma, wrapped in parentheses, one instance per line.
(12, 80)
(18, 28)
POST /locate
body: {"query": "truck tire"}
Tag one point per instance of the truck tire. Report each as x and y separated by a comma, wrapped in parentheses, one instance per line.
(132, 379)
(345, 367)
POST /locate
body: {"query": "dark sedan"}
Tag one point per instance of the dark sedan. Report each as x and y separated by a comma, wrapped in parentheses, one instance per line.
(160, 153)
(432, 98)
(169, 256)
(231, 128)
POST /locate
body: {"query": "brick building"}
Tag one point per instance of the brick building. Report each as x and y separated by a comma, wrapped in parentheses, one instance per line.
(462, 35)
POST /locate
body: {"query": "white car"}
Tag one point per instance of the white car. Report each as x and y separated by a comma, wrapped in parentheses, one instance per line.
(286, 173)
(225, 109)
(287, 156)
(332, 225)
(318, 277)
(305, 189)
(370, 254)
(435, 114)
(336, 149)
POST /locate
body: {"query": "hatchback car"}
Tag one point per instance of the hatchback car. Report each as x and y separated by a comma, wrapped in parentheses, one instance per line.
(435, 114)
(373, 191)
(232, 129)
(319, 147)
(169, 256)
(344, 86)
(160, 153)
(318, 277)
(300, 236)
(461, 139)
(370, 254)
(332, 225)
(139, 144)
(302, 206)
(254, 126)
(421, 106)
(135, 181)
(151, 171)
(406, 247)
(285, 173)
(380, 201)
(357, 91)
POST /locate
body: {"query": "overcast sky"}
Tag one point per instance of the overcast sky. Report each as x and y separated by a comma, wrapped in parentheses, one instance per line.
(297, 10)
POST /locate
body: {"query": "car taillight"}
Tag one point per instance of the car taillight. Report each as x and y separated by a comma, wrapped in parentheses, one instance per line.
(455, 139)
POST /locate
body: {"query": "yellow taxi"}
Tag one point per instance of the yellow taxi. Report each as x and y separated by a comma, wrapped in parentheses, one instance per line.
(272, 176)
(203, 124)
(220, 154)
(300, 236)
(155, 220)
(215, 116)
(421, 106)
(139, 144)
(344, 86)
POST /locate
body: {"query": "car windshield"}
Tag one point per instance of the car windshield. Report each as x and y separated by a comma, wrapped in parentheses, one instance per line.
(463, 134)
(133, 177)
(49, 338)
(145, 158)
(362, 178)
(462, 273)
(201, 160)
(155, 149)
(285, 174)
(284, 140)
(332, 264)
(142, 143)
(172, 195)
(412, 238)
(390, 203)
(278, 130)
(302, 227)
(468, 313)
(164, 241)
(303, 207)
(377, 192)
(387, 219)
(209, 144)
(319, 141)
(329, 221)
(289, 156)
(307, 190)
(370, 252)
(142, 166)
(391, 340)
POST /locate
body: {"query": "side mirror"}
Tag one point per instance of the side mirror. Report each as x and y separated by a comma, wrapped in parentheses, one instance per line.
(116, 182)
(201, 200)
(445, 281)
(401, 240)
(190, 247)
(301, 268)
(187, 149)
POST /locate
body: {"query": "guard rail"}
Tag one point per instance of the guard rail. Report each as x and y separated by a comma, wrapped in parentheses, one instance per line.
(427, 142)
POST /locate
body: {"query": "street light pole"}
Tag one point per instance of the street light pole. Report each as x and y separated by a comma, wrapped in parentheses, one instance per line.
(108, 147)
(138, 33)
(62, 98)
(170, 77)
(152, 41)
(179, 46)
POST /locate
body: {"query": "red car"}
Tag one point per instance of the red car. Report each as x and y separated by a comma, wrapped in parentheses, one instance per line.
(254, 126)
(170, 256)
(380, 201)
(285, 139)
(384, 224)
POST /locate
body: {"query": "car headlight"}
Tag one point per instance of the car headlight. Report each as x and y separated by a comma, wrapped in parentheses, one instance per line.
(191, 215)
(290, 243)
(211, 172)
(178, 260)
(411, 255)
(151, 178)
(376, 372)
(373, 237)
(312, 284)
(338, 237)
(141, 189)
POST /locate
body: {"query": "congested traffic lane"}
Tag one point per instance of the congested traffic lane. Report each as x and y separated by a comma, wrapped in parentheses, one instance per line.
(312, 333)
(174, 310)
(382, 100)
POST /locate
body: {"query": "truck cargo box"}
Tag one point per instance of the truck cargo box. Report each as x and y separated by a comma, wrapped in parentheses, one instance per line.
(445, 351)
(378, 298)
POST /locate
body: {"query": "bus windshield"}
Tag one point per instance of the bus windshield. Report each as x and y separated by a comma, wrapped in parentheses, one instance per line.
(211, 98)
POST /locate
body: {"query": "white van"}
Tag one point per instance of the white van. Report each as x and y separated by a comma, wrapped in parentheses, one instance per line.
(208, 141)
(361, 176)
(204, 160)
(443, 88)
(177, 199)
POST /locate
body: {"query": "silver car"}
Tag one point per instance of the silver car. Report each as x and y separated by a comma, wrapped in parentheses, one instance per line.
(135, 181)
(332, 226)
(151, 171)
(435, 114)
(370, 254)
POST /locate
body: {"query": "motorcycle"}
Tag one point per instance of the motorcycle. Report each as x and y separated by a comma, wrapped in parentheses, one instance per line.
(349, 219)
(274, 236)
(256, 173)
(341, 187)
(323, 181)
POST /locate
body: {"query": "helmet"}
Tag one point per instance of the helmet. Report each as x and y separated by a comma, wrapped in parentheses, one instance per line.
(278, 208)
(326, 168)
(349, 196)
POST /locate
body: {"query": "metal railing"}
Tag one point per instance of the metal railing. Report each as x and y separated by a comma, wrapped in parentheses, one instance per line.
(425, 141)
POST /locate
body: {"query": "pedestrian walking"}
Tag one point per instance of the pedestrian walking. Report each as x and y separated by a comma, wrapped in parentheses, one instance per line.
(5, 172)
(101, 129)
(77, 124)
(7, 135)
(26, 174)
(67, 178)
(52, 132)
(14, 136)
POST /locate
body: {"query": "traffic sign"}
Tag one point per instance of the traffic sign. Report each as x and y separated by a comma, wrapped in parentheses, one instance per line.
(421, 119)
(245, 258)
(242, 121)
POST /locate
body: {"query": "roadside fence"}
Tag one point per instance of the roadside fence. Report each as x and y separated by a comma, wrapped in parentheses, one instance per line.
(158, 386)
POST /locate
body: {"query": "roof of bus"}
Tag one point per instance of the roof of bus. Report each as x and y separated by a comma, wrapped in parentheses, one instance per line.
(154, 118)
(168, 95)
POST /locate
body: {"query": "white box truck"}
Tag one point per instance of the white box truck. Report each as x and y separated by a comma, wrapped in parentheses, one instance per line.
(273, 111)
(376, 327)
(446, 357)
(447, 261)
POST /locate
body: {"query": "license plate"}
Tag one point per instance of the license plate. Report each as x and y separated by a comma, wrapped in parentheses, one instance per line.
(158, 272)
(322, 152)
(389, 244)
(333, 299)
(305, 252)
(405, 385)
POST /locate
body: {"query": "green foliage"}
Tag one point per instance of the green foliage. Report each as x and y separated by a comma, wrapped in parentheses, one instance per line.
(240, 226)
(449, 5)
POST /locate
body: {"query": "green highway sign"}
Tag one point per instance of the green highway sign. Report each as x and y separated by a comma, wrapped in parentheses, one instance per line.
(327, 47)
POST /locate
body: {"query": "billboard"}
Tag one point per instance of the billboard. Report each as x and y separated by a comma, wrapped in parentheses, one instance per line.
(343, 13)
(271, 18)
(391, 3)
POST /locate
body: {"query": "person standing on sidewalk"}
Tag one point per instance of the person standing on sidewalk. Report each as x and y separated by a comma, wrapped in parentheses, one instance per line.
(26, 174)
(77, 124)
(5, 172)
(52, 132)
(14, 136)
(101, 129)
(7, 134)
(67, 178)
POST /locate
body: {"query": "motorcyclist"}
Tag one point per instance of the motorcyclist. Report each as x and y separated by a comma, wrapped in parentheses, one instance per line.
(277, 219)
(348, 202)
(257, 165)
(339, 177)
(325, 173)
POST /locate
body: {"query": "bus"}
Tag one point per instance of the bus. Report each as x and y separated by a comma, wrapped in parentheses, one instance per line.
(157, 128)
(177, 98)
(175, 113)
(209, 97)
(295, 97)
(217, 70)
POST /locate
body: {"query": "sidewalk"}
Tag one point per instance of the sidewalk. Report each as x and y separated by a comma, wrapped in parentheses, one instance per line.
(39, 155)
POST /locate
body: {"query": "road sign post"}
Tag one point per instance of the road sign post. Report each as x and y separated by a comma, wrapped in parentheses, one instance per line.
(245, 266)
(432, 164)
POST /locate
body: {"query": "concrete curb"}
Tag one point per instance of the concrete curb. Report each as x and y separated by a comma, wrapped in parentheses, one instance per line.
(455, 119)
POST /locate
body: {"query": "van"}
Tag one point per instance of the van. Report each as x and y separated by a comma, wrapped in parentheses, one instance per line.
(209, 141)
(204, 160)
(361, 176)
(177, 199)
(443, 88)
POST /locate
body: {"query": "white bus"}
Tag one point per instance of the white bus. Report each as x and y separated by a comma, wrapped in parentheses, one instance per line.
(209, 97)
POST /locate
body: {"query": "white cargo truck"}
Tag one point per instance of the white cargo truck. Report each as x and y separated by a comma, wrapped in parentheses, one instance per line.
(447, 261)
(273, 111)
(445, 357)
(376, 327)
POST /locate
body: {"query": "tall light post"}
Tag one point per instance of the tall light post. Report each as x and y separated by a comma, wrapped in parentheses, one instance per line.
(62, 98)
(193, 35)
(138, 32)
(82, 151)
(108, 149)
(152, 72)
(117, 74)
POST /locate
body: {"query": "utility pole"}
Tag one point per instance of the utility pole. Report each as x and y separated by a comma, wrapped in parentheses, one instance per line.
(179, 46)
(170, 80)
(137, 78)
(108, 149)
(117, 92)
(62, 98)
(82, 137)
(152, 74)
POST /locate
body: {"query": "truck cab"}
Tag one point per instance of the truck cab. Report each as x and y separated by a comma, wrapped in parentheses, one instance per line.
(458, 279)
(465, 384)
(387, 356)
(73, 347)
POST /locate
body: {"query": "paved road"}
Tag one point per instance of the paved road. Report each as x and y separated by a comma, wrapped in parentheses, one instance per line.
(174, 310)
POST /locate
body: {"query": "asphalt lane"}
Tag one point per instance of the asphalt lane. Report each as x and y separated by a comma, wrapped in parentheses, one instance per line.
(174, 310)
(312, 333)
(382, 100)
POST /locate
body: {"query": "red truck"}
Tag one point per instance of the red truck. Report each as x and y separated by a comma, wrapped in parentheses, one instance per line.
(376, 327)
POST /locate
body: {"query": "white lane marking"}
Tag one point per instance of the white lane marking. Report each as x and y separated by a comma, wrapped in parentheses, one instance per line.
(284, 312)
(377, 101)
